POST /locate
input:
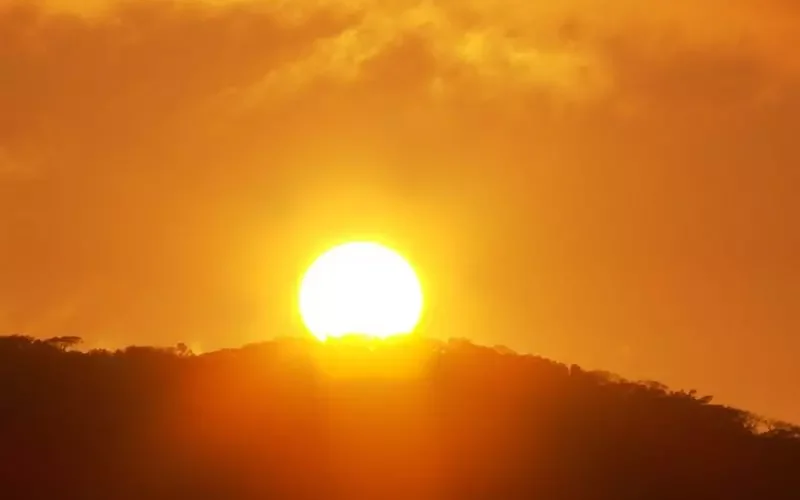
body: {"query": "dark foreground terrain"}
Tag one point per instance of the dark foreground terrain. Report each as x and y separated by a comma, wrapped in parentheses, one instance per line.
(410, 420)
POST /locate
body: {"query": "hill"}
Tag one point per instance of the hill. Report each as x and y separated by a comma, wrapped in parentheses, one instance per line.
(410, 419)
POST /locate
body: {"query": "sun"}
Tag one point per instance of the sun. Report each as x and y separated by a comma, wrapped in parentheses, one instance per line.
(360, 288)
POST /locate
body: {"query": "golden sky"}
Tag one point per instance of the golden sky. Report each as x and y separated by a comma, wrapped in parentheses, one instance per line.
(606, 183)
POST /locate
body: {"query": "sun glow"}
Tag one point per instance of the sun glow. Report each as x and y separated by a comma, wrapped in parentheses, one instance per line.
(360, 288)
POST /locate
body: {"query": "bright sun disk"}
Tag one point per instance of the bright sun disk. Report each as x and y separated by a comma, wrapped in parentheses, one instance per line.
(360, 288)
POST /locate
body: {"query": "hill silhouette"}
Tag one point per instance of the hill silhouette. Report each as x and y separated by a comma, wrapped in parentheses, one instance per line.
(412, 419)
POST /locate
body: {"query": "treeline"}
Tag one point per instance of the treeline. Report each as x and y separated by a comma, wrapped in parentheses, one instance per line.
(411, 419)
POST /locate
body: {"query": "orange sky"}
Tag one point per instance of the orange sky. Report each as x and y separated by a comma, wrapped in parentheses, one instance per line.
(606, 183)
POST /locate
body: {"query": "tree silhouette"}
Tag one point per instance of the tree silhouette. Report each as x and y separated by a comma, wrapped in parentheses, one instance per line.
(272, 420)
(64, 343)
